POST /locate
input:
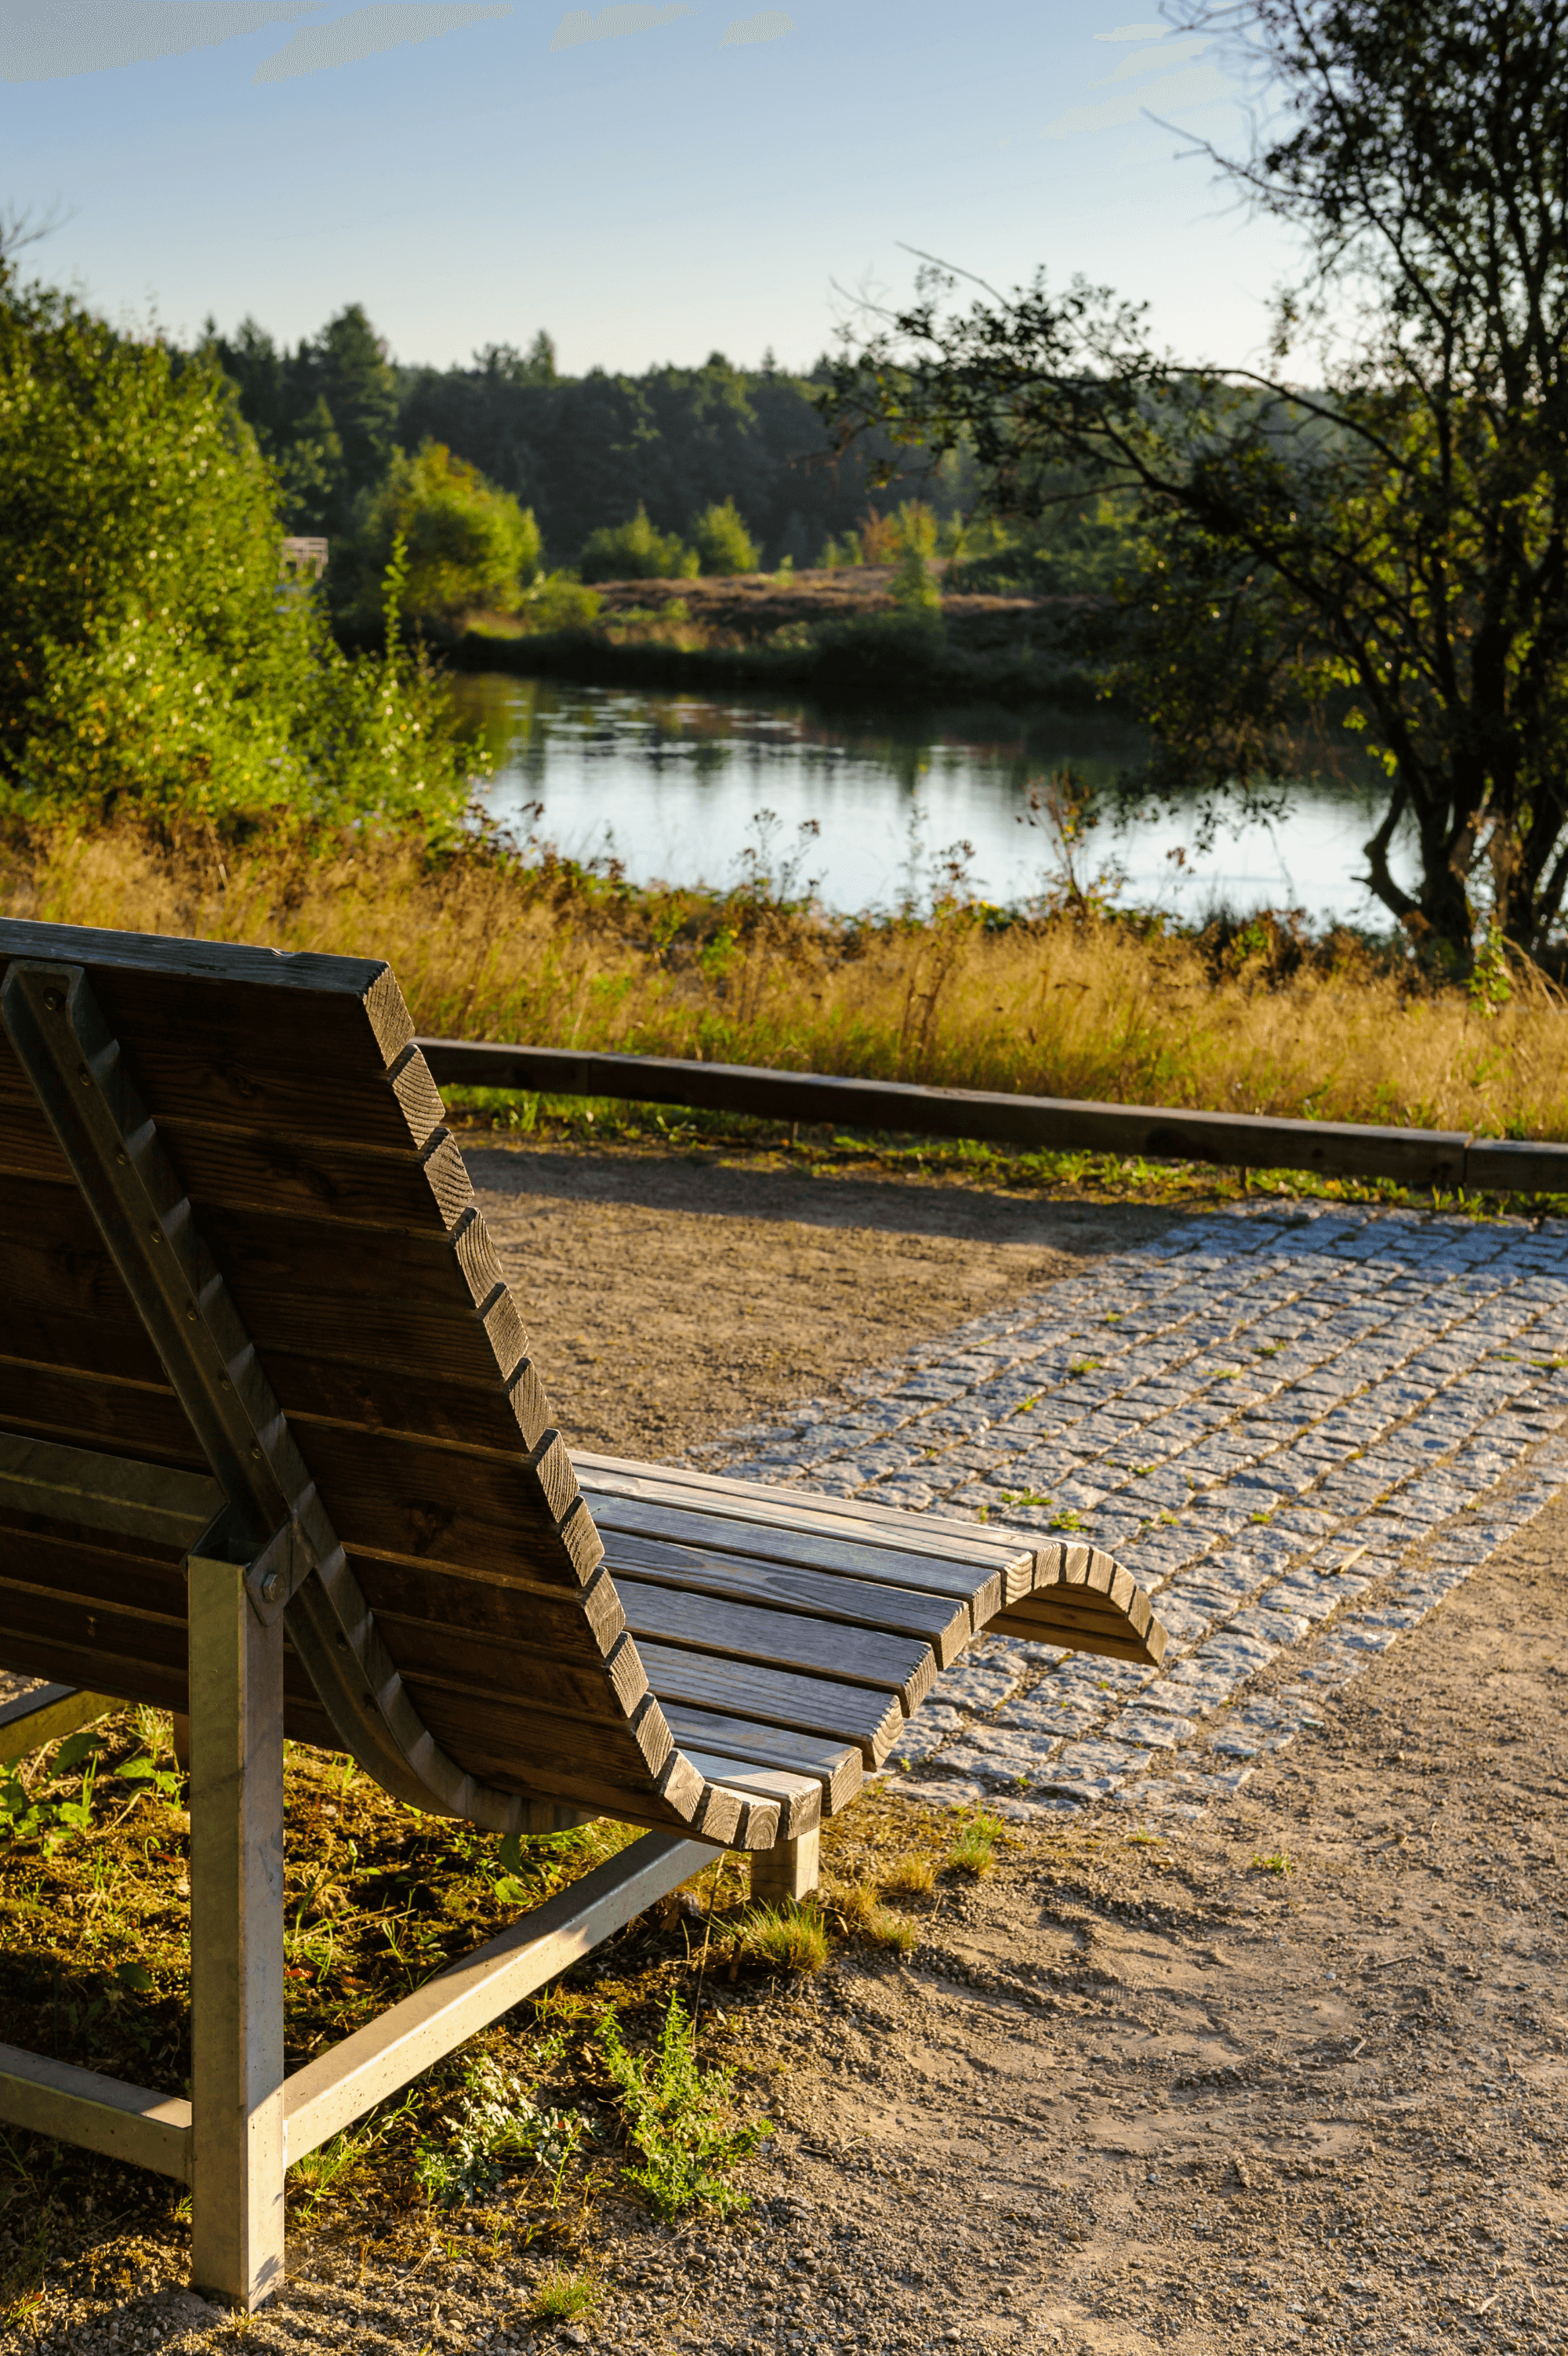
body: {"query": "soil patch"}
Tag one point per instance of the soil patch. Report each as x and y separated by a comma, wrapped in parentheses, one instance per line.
(670, 1300)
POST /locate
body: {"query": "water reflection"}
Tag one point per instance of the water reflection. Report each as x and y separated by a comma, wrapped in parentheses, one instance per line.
(670, 783)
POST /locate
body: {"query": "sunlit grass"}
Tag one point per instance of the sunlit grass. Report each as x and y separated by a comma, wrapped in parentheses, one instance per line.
(490, 949)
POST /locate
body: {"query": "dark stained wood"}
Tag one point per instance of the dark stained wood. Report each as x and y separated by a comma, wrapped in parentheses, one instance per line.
(430, 1405)
(821, 1706)
(1048, 1124)
(807, 1548)
(591, 1689)
(120, 1418)
(784, 1640)
(505, 1611)
(943, 1623)
(411, 1500)
(229, 1169)
(837, 1766)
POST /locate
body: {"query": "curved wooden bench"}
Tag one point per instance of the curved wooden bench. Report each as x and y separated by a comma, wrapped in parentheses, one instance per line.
(274, 1454)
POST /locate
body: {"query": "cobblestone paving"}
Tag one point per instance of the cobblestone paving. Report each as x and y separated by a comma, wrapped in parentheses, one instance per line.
(1298, 1431)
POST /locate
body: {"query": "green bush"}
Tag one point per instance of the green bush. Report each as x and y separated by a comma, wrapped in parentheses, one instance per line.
(635, 552)
(150, 662)
(913, 587)
(559, 602)
(470, 546)
(722, 541)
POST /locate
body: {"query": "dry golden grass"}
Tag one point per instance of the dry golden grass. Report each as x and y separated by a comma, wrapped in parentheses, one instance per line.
(1088, 1009)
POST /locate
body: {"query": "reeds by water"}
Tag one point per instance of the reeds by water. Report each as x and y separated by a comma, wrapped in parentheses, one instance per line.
(1088, 1006)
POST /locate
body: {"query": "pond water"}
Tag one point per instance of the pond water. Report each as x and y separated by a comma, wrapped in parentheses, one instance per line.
(682, 788)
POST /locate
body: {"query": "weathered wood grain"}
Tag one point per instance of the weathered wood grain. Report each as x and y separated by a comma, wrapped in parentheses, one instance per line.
(811, 1704)
(942, 1621)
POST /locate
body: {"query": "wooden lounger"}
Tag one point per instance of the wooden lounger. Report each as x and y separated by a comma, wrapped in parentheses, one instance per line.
(273, 1455)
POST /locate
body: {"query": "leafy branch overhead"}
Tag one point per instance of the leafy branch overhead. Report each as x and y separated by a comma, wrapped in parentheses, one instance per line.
(1368, 528)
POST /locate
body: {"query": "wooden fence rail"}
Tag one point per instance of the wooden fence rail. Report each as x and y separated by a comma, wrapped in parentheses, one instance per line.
(1417, 1158)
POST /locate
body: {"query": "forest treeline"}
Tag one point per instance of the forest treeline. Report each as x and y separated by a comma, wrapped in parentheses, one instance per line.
(584, 454)
(584, 457)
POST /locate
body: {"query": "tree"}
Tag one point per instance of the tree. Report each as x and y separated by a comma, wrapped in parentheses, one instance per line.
(1381, 536)
(722, 541)
(468, 546)
(150, 662)
(326, 414)
(636, 551)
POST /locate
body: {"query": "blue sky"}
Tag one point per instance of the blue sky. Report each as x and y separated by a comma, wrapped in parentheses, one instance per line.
(648, 182)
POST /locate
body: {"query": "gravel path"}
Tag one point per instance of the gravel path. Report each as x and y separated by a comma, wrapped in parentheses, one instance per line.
(1300, 1433)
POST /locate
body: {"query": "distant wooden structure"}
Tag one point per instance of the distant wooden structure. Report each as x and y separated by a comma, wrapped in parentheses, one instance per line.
(301, 561)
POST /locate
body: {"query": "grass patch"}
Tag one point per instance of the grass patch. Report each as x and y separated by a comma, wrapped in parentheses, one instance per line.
(913, 1874)
(563, 2293)
(864, 1916)
(1278, 1860)
(975, 1847)
(790, 1937)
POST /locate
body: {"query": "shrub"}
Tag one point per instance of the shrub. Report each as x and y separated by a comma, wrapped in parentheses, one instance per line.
(561, 602)
(636, 551)
(723, 543)
(150, 665)
(914, 589)
(470, 545)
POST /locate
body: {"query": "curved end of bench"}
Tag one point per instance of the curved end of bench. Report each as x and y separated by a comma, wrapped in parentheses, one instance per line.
(1084, 1600)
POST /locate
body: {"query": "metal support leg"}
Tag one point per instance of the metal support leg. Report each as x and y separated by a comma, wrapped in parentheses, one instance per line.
(790, 1869)
(236, 1938)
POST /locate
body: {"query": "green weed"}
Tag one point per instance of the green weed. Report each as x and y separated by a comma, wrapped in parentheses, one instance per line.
(681, 2119)
(493, 2123)
(1278, 1860)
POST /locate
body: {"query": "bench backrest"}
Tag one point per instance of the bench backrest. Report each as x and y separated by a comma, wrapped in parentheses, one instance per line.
(304, 1130)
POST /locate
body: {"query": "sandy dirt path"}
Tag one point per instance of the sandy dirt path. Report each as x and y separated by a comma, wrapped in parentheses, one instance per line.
(669, 1300)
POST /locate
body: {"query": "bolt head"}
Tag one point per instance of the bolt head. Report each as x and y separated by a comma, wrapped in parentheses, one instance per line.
(54, 999)
(272, 1587)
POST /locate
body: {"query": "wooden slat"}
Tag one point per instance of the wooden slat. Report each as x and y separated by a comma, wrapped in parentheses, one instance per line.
(297, 1285)
(1117, 1644)
(518, 1677)
(233, 1170)
(798, 1797)
(874, 1525)
(428, 1504)
(943, 1623)
(776, 1696)
(430, 1403)
(487, 1610)
(784, 1640)
(128, 1418)
(808, 1548)
(33, 1720)
(838, 1767)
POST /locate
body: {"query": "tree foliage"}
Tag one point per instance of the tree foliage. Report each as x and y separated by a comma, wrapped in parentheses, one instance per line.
(467, 545)
(1372, 526)
(150, 661)
(634, 551)
(722, 541)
